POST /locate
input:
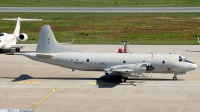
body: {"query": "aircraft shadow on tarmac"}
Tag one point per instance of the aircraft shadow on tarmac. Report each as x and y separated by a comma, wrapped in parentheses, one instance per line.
(194, 51)
(3, 52)
(105, 81)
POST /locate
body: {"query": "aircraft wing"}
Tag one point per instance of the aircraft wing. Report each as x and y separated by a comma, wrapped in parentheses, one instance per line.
(44, 55)
(32, 54)
(128, 68)
(68, 42)
(123, 70)
(22, 45)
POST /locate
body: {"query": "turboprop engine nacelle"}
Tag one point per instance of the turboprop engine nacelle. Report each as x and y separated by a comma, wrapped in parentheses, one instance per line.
(130, 68)
(23, 37)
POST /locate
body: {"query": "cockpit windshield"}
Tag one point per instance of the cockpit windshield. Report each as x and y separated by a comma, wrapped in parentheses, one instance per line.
(1, 34)
(183, 59)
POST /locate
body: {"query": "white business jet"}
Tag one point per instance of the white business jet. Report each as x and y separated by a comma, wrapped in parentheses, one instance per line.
(8, 41)
(50, 51)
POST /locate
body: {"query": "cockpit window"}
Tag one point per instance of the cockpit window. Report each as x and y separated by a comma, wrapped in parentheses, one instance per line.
(185, 60)
(1, 34)
(181, 59)
(0, 40)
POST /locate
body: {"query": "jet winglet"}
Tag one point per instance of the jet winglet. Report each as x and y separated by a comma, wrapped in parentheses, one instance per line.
(9, 53)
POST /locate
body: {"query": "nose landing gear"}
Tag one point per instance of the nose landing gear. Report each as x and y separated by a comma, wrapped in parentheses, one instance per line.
(174, 78)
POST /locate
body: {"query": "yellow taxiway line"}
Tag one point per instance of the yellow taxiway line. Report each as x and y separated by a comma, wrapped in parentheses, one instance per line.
(53, 90)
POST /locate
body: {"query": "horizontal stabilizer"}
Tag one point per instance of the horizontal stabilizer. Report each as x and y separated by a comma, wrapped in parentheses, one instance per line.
(15, 19)
(44, 55)
(12, 53)
(22, 45)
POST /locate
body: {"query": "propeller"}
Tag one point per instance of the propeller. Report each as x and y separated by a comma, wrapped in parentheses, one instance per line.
(149, 66)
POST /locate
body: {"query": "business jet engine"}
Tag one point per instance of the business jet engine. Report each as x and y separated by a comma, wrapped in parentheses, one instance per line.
(23, 37)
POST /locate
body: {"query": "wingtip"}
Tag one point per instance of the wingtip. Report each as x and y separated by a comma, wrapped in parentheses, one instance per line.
(9, 53)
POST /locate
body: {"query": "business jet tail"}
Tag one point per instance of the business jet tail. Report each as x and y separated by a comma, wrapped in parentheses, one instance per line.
(17, 27)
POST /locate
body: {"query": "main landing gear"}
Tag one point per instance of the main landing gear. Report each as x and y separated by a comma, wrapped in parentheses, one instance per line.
(124, 79)
(17, 49)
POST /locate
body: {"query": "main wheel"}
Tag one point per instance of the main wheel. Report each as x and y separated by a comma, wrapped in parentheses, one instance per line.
(174, 78)
(123, 79)
(17, 50)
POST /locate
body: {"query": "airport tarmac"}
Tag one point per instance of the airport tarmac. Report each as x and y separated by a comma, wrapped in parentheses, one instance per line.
(25, 83)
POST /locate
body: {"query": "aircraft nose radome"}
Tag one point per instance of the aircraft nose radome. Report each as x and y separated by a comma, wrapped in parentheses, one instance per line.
(194, 66)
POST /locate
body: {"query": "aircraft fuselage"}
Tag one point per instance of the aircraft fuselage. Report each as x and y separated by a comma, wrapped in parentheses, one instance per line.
(7, 40)
(162, 63)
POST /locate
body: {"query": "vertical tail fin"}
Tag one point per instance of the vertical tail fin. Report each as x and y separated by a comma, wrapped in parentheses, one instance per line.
(17, 27)
(48, 44)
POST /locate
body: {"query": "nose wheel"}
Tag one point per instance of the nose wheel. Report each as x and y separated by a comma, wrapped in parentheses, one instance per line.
(106, 73)
(174, 78)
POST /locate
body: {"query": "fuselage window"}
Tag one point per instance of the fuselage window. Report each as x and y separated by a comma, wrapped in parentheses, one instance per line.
(124, 61)
(76, 59)
(163, 62)
(88, 60)
(0, 40)
(71, 59)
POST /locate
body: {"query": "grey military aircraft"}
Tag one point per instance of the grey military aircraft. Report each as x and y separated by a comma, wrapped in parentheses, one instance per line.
(50, 51)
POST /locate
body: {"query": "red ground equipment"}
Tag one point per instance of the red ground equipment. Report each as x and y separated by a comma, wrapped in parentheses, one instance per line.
(125, 47)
